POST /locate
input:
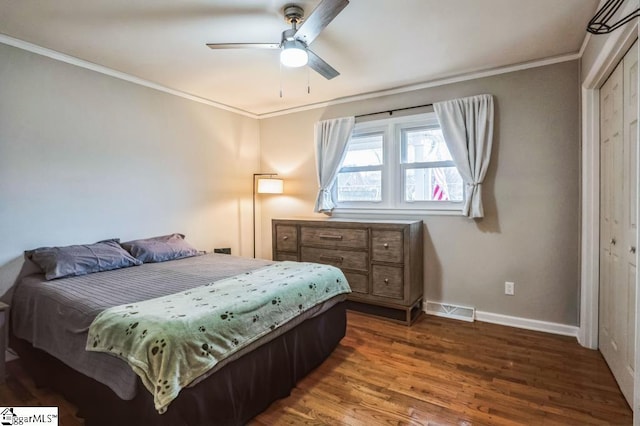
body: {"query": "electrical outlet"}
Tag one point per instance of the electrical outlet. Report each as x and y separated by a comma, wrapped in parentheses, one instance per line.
(509, 288)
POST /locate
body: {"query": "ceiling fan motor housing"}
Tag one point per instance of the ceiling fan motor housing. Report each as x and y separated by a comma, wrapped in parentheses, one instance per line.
(294, 52)
(293, 13)
(288, 35)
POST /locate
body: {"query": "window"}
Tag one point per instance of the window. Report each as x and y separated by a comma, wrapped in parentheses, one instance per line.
(399, 164)
(427, 167)
(360, 177)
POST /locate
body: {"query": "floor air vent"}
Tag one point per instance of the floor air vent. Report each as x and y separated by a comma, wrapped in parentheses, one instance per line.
(446, 310)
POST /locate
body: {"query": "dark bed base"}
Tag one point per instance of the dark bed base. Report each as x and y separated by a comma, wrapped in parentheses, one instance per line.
(232, 396)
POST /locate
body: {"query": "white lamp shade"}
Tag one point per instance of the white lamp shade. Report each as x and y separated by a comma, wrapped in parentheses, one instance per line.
(293, 54)
(270, 186)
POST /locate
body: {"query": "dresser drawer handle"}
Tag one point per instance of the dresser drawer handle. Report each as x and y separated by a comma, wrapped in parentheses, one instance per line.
(285, 238)
(386, 281)
(338, 259)
(385, 245)
(330, 237)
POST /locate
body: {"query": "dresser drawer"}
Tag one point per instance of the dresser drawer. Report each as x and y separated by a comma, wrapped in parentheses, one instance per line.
(286, 238)
(341, 258)
(388, 281)
(359, 283)
(286, 256)
(387, 246)
(335, 237)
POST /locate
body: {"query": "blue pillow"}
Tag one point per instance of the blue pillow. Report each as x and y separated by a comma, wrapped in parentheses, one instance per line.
(160, 249)
(59, 262)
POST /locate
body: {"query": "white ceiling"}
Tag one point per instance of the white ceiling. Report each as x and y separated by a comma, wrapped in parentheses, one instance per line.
(375, 44)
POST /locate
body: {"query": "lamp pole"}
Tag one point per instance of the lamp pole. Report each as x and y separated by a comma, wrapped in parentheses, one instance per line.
(255, 175)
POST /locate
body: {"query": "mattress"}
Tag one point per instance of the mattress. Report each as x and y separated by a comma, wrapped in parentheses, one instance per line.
(54, 316)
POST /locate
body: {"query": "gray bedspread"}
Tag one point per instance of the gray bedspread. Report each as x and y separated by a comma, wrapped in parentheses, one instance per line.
(55, 315)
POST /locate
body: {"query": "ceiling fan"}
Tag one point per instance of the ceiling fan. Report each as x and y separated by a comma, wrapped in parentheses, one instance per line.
(294, 44)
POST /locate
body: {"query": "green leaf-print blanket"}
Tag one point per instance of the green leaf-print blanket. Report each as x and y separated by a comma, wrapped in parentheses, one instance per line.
(172, 340)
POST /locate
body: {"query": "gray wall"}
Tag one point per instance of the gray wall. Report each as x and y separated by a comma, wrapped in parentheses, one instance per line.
(84, 157)
(530, 233)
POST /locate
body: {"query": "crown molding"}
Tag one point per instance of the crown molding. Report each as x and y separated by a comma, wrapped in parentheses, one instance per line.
(62, 57)
(585, 42)
(432, 83)
(30, 47)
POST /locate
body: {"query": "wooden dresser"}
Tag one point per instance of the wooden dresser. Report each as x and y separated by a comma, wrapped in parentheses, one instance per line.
(382, 260)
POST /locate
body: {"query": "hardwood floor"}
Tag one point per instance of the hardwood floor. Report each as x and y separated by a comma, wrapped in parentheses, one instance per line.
(438, 371)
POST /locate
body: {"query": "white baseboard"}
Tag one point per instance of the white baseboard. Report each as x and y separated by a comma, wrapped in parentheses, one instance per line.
(470, 314)
(528, 324)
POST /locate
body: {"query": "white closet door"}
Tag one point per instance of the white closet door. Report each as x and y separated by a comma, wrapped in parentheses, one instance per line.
(611, 124)
(618, 228)
(630, 203)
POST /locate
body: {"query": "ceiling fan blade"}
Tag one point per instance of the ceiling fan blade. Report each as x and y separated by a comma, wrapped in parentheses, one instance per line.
(319, 19)
(321, 67)
(243, 45)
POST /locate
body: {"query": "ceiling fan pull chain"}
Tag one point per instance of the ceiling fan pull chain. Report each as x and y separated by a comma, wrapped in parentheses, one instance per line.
(308, 84)
(280, 80)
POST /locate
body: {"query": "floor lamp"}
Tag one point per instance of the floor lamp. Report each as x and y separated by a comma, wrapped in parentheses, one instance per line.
(264, 185)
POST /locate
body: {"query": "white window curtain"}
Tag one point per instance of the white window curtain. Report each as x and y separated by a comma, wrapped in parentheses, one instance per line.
(467, 127)
(331, 137)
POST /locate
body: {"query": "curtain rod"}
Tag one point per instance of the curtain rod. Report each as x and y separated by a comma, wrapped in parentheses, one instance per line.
(391, 111)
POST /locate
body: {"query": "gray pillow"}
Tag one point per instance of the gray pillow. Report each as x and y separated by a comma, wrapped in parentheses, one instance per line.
(58, 262)
(160, 249)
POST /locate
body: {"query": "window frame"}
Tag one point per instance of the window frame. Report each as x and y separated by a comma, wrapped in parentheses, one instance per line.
(393, 171)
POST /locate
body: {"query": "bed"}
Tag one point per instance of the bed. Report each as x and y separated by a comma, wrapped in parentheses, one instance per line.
(52, 322)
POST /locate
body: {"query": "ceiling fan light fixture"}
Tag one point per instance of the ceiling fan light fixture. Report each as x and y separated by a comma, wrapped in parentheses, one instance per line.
(293, 54)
